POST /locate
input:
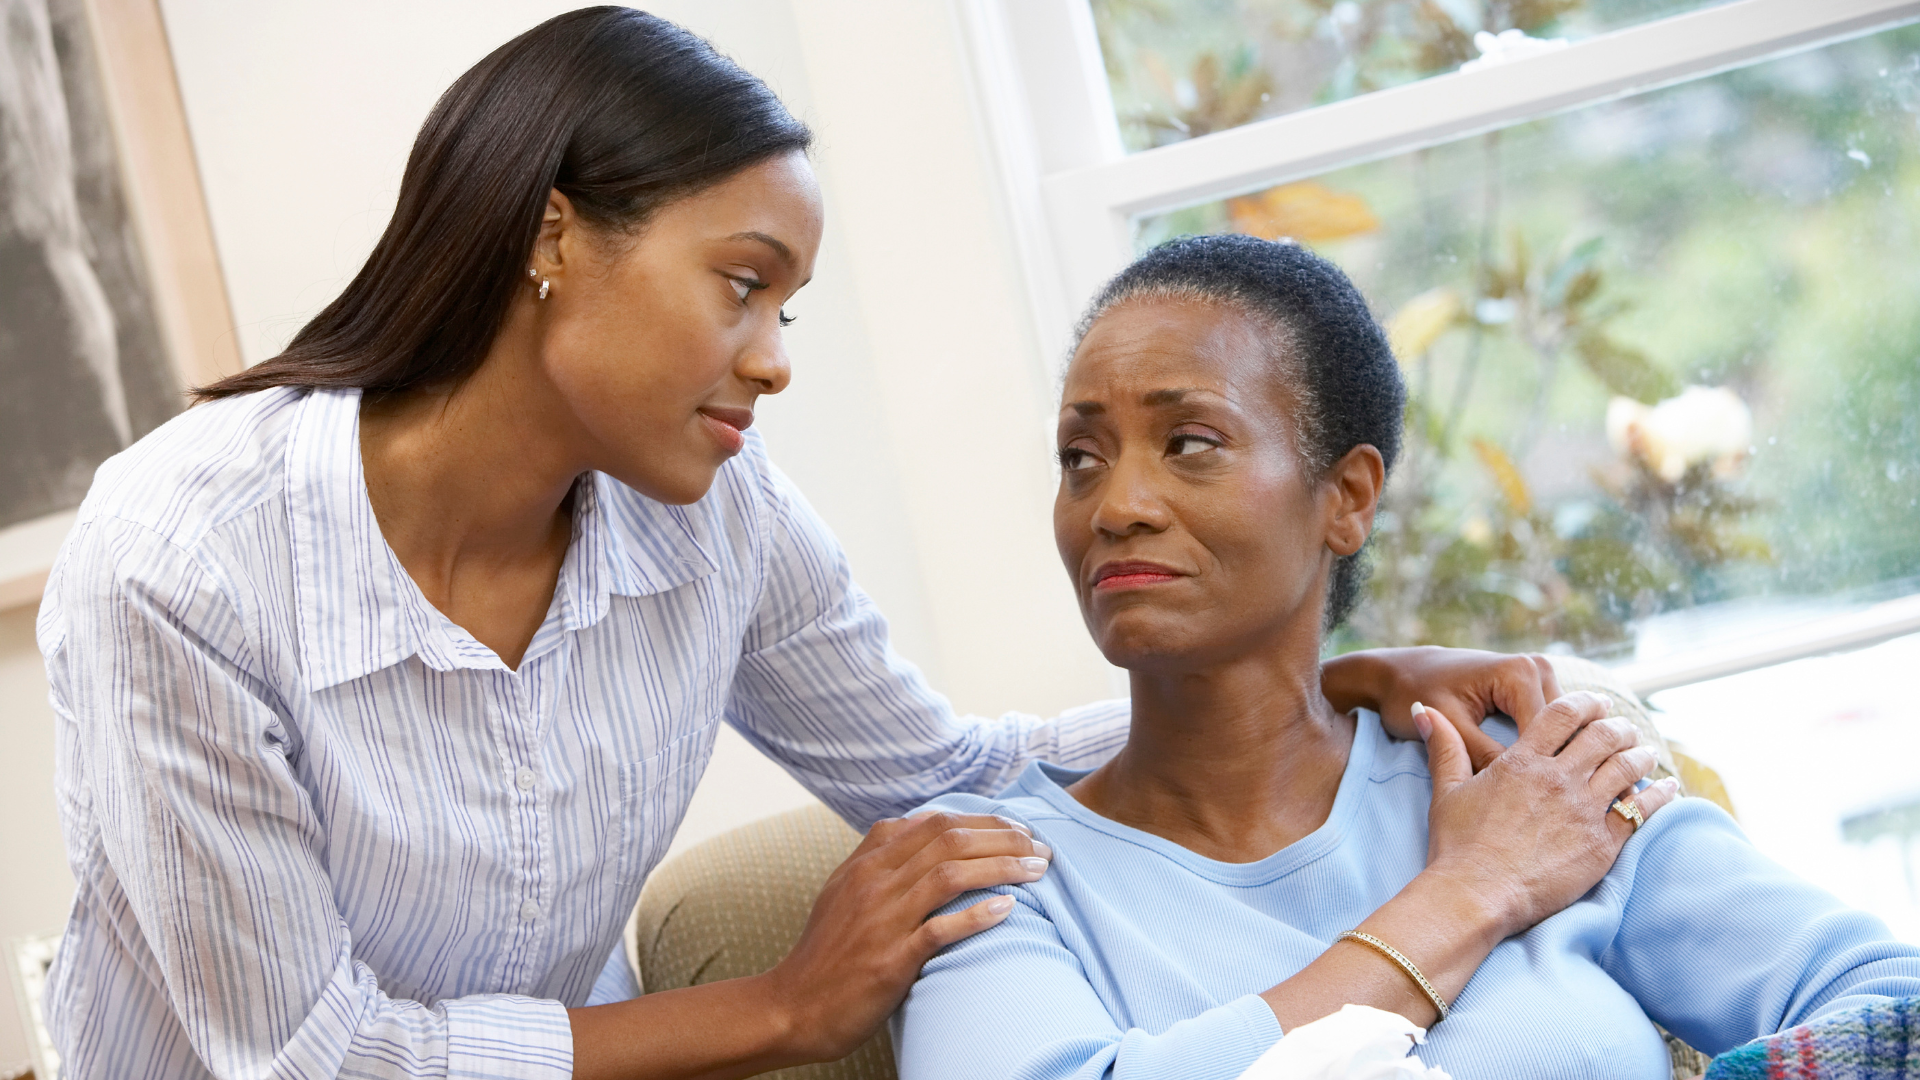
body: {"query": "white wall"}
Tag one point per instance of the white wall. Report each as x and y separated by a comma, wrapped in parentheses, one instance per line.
(918, 417)
(33, 863)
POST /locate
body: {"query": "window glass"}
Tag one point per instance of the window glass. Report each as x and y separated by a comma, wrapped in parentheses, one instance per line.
(1817, 759)
(1663, 356)
(1183, 68)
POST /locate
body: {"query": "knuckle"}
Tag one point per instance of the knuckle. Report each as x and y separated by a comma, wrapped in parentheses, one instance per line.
(848, 874)
(946, 877)
(929, 938)
(1566, 705)
(866, 868)
(1606, 732)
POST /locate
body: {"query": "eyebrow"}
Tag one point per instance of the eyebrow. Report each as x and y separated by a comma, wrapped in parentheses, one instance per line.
(780, 249)
(1155, 398)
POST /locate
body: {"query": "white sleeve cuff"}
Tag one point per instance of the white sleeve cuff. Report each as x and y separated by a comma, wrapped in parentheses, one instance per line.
(498, 1035)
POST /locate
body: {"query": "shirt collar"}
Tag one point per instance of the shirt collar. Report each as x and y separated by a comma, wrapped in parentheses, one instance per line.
(359, 612)
(625, 544)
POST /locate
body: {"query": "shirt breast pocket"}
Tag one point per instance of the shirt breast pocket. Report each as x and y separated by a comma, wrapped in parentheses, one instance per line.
(654, 793)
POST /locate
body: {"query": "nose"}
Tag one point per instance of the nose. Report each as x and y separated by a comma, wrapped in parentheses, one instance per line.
(1130, 502)
(764, 364)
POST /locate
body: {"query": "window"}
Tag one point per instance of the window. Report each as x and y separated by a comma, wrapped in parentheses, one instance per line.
(1184, 69)
(1661, 353)
(1653, 288)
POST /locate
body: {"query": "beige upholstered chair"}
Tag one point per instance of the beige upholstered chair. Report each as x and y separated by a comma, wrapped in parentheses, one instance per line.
(733, 905)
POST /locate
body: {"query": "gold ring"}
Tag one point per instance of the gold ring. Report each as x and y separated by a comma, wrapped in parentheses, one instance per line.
(1629, 811)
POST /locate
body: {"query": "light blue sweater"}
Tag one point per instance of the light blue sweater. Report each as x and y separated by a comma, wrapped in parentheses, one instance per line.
(1136, 958)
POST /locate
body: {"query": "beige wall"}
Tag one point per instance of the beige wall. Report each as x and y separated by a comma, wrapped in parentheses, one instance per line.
(32, 862)
(918, 417)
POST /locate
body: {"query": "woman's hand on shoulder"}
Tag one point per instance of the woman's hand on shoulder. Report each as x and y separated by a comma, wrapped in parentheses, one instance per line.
(1465, 685)
(869, 935)
(1534, 830)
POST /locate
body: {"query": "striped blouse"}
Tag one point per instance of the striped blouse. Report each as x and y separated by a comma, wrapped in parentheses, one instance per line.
(319, 830)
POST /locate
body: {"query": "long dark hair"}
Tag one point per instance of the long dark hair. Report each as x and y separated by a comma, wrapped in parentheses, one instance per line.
(619, 110)
(1327, 346)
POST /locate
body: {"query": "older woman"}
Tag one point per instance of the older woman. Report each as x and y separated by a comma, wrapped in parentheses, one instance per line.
(1230, 415)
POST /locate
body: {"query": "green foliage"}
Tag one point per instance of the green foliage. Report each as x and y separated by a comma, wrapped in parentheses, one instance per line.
(1754, 230)
(1183, 68)
(1623, 369)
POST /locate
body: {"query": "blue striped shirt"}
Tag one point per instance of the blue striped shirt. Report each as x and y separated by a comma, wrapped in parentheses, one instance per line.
(319, 830)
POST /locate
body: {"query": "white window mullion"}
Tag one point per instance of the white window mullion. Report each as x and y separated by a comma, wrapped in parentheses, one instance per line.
(1041, 86)
(1090, 208)
(1834, 634)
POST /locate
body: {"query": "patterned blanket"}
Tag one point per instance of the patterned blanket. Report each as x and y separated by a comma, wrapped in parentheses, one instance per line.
(1877, 1042)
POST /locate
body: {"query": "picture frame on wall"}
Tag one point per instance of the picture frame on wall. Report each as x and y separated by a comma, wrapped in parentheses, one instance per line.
(112, 302)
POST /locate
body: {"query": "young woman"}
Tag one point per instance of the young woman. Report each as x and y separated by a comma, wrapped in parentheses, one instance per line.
(1228, 420)
(385, 673)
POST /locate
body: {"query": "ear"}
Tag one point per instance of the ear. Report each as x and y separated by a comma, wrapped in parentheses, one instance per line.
(1353, 486)
(560, 230)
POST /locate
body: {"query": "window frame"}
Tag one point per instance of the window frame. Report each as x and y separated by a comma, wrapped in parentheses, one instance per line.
(1071, 191)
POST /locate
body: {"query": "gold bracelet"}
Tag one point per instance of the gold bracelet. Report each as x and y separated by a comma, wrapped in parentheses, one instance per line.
(1406, 965)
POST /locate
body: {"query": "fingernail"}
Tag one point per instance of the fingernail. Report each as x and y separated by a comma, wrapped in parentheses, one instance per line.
(1042, 850)
(1421, 723)
(1034, 866)
(1606, 702)
(1671, 783)
(1000, 905)
(1012, 824)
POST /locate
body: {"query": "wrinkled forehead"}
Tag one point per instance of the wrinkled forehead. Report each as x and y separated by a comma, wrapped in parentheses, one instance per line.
(1147, 343)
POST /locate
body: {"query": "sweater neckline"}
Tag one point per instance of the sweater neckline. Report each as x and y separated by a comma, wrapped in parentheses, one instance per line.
(1048, 783)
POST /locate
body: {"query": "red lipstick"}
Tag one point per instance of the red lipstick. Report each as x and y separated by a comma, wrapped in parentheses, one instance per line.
(1128, 575)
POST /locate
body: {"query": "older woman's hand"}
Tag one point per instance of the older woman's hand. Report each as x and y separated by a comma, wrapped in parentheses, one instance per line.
(1465, 685)
(1534, 830)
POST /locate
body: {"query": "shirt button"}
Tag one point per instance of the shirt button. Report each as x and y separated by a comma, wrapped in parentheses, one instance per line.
(529, 911)
(524, 778)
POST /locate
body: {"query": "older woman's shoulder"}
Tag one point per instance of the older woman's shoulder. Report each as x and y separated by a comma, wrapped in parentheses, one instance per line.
(1030, 798)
